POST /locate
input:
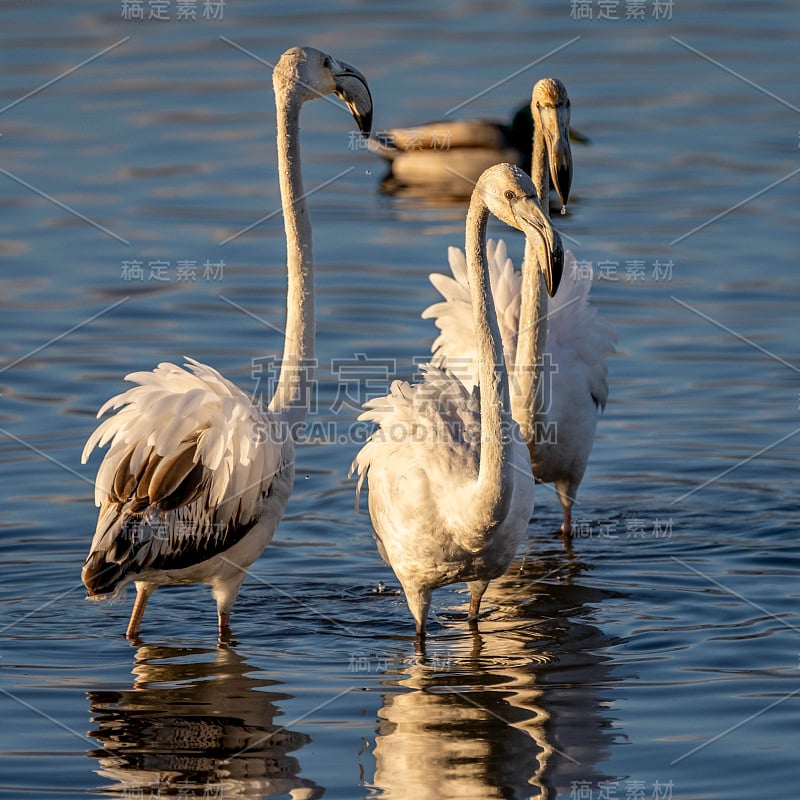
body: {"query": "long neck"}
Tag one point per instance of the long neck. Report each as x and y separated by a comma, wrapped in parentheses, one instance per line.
(540, 166)
(531, 342)
(532, 331)
(496, 434)
(298, 349)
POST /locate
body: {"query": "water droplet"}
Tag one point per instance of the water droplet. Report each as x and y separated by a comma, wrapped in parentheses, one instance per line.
(308, 477)
(368, 172)
(563, 211)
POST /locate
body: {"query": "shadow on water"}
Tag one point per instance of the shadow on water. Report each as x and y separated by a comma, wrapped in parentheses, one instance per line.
(517, 707)
(196, 724)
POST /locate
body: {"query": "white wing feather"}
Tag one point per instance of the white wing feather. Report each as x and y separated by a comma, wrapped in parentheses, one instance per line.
(191, 463)
(579, 341)
(437, 419)
(172, 404)
(577, 336)
(454, 348)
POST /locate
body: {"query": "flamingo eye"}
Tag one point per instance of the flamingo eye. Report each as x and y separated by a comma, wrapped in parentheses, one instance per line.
(509, 194)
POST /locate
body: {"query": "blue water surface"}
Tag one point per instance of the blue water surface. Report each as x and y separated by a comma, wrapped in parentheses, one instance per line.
(655, 658)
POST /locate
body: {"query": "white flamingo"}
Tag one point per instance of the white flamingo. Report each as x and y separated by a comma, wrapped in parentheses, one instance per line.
(450, 484)
(196, 477)
(564, 337)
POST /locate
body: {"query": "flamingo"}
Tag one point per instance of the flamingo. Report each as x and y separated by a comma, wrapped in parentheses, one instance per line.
(450, 483)
(196, 477)
(565, 336)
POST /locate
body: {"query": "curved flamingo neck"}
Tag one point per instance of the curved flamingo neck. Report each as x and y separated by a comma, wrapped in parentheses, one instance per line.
(540, 165)
(532, 330)
(290, 398)
(531, 343)
(496, 435)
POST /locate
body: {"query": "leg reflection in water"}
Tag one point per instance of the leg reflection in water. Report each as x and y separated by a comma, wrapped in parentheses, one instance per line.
(196, 724)
(516, 708)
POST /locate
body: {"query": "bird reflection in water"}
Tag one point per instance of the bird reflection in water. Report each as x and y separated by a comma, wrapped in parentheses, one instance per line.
(517, 708)
(194, 726)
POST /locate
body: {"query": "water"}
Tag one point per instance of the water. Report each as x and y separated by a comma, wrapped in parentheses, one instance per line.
(657, 658)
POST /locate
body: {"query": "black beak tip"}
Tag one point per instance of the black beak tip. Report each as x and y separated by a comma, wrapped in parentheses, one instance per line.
(557, 268)
(364, 122)
(352, 87)
(564, 183)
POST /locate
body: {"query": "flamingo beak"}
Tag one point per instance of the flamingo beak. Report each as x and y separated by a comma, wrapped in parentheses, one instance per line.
(556, 270)
(533, 221)
(352, 88)
(554, 120)
(561, 164)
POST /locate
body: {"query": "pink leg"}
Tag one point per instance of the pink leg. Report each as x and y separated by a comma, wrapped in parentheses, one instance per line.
(566, 525)
(476, 591)
(475, 606)
(142, 596)
(224, 624)
(419, 603)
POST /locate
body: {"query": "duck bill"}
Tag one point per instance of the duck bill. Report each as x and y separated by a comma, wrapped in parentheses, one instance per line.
(352, 88)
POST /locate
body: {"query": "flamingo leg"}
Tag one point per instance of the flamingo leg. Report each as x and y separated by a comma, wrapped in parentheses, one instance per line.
(566, 525)
(224, 625)
(474, 606)
(476, 590)
(142, 596)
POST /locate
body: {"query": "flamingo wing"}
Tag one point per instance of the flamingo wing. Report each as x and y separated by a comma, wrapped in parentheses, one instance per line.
(578, 338)
(427, 424)
(190, 463)
(454, 348)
